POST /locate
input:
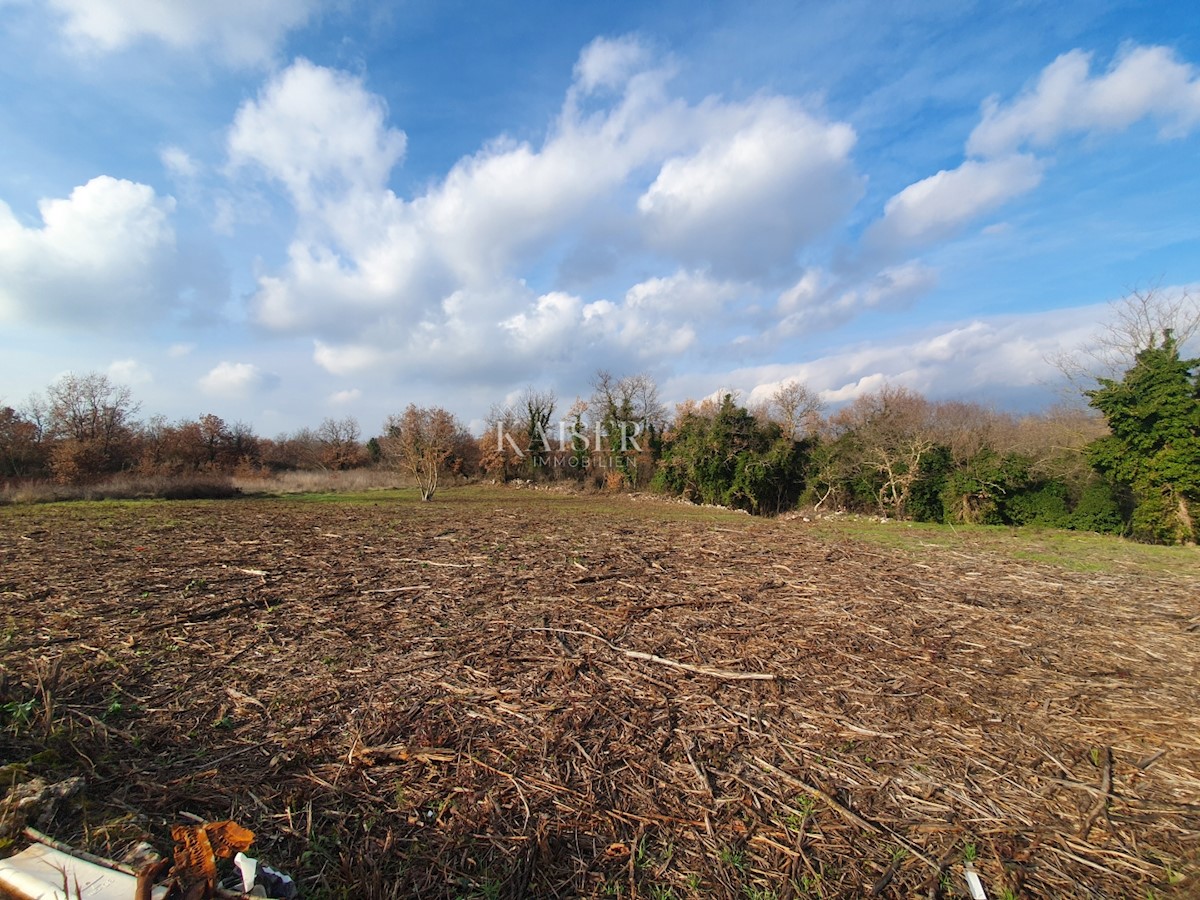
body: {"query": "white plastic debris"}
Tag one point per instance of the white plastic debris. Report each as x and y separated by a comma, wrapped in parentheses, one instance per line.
(257, 880)
(43, 873)
(974, 885)
(248, 866)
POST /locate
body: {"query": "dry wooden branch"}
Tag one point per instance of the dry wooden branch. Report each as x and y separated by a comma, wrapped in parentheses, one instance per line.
(726, 674)
(1102, 802)
(398, 590)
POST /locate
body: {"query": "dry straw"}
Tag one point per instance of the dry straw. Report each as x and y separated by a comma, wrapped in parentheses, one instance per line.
(506, 696)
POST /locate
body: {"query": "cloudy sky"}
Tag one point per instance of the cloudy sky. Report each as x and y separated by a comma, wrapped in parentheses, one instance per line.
(283, 210)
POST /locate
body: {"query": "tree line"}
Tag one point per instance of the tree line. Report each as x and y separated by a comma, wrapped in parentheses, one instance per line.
(1129, 465)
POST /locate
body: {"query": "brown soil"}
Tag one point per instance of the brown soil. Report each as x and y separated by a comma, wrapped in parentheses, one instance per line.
(507, 694)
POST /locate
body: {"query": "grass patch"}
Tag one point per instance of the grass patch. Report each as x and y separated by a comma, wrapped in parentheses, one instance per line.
(1070, 550)
(1075, 551)
(351, 498)
(557, 501)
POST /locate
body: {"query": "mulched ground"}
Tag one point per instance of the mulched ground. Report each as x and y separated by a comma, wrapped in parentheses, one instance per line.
(513, 694)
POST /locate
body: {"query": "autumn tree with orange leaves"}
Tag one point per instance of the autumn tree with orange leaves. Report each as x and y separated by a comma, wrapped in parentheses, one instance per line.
(421, 441)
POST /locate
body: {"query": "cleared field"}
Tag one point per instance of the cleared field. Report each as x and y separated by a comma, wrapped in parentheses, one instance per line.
(510, 693)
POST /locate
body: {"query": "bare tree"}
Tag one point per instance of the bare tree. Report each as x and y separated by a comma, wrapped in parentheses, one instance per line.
(966, 429)
(500, 446)
(214, 435)
(89, 408)
(647, 407)
(628, 411)
(892, 430)
(340, 443)
(1138, 321)
(796, 409)
(1056, 440)
(538, 409)
(244, 445)
(633, 399)
(35, 411)
(301, 449)
(90, 418)
(420, 441)
(20, 448)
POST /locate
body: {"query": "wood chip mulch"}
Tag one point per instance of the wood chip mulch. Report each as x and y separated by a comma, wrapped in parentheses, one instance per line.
(498, 696)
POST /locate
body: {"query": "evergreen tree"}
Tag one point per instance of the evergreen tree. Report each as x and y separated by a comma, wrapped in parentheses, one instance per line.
(1153, 413)
(729, 458)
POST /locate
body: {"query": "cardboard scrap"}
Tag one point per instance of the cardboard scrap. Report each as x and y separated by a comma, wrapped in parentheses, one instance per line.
(43, 873)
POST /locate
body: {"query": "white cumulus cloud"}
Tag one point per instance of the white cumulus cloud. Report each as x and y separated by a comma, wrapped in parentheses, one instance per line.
(770, 178)
(319, 132)
(1142, 82)
(939, 206)
(682, 295)
(344, 359)
(102, 255)
(545, 327)
(234, 379)
(729, 190)
(989, 358)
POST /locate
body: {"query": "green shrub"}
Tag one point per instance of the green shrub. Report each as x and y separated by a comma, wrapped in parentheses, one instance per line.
(1045, 503)
(1156, 519)
(974, 493)
(1099, 509)
(729, 458)
(1153, 450)
(925, 500)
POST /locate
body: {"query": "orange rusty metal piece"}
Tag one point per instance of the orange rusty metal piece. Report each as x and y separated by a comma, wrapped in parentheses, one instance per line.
(197, 848)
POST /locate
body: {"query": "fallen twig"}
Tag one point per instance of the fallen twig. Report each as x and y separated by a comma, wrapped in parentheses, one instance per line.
(663, 661)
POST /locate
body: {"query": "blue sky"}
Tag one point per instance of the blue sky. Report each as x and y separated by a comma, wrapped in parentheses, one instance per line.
(284, 210)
